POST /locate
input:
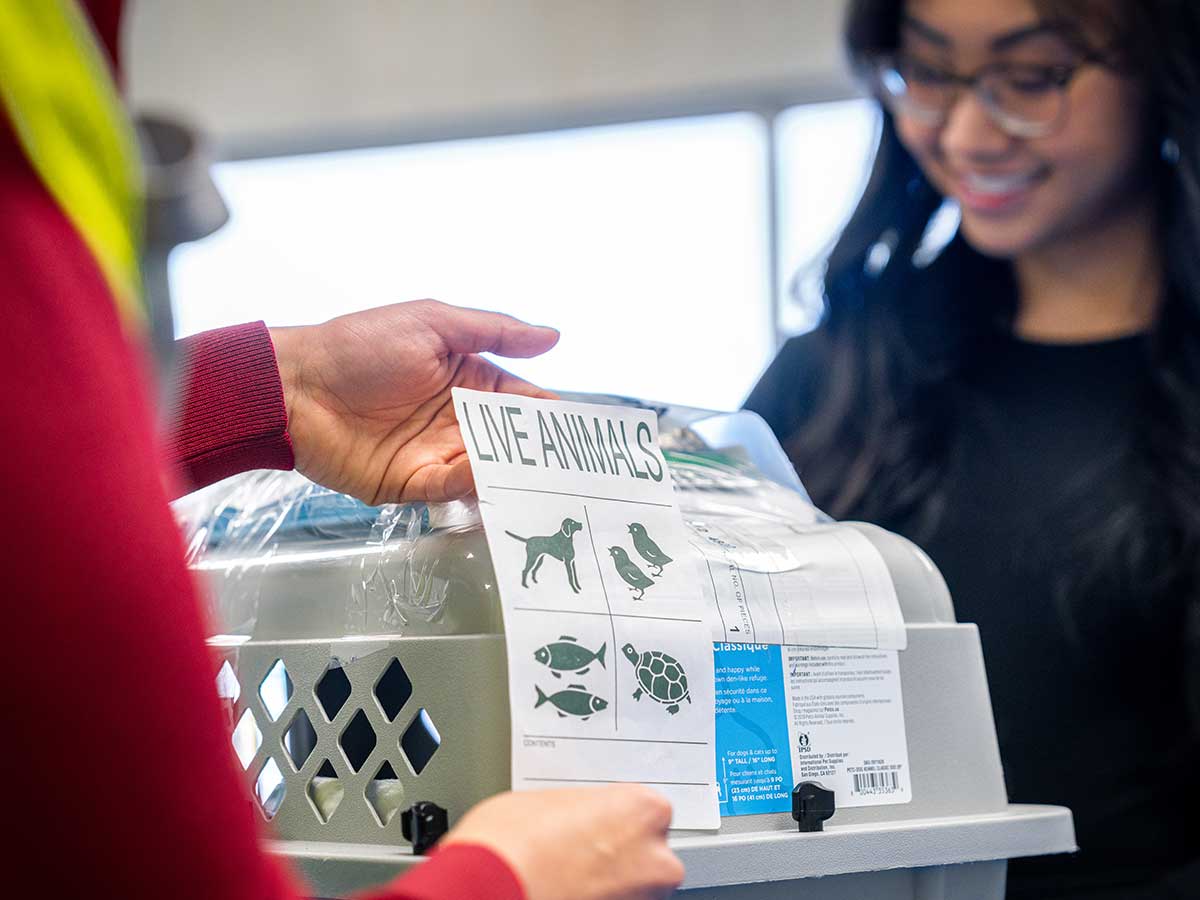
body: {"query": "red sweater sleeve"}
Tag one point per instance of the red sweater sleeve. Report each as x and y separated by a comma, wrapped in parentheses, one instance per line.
(460, 872)
(122, 767)
(230, 415)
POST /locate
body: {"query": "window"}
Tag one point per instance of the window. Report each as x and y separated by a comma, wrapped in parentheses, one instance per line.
(824, 152)
(649, 245)
(646, 244)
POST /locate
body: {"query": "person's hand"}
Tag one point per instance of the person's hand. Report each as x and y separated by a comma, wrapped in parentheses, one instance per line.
(594, 843)
(368, 395)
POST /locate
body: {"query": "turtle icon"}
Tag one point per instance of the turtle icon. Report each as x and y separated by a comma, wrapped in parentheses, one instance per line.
(660, 676)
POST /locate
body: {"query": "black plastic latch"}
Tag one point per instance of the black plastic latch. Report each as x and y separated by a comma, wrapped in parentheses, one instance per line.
(812, 804)
(423, 825)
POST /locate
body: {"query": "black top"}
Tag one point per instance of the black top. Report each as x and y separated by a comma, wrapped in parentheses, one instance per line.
(1089, 697)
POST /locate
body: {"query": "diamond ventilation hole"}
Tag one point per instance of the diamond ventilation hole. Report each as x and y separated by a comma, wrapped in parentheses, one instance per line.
(299, 739)
(246, 739)
(332, 690)
(393, 689)
(276, 690)
(270, 789)
(227, 683)
(325, 793)
(385, 794)
(358, 740)
(420, 741)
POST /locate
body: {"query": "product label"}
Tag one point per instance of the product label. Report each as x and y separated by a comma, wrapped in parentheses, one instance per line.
(787, 714)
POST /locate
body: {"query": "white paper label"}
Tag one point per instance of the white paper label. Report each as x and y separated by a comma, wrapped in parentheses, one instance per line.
(818, 585)
(847, 723)
(610, 656)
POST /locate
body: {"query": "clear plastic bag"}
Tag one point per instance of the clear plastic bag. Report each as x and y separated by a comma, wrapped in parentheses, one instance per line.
(288, 558)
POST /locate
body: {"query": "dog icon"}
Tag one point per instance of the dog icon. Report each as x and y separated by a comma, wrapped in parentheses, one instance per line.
(560, 545)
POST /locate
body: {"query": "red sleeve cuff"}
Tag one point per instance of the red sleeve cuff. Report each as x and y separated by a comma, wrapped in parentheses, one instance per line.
(460, 872)
(230, 416)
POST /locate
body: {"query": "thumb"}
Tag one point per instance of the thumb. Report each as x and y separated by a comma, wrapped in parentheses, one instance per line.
(476, 331)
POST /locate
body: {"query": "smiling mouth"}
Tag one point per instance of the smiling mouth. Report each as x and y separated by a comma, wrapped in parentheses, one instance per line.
(996, 193)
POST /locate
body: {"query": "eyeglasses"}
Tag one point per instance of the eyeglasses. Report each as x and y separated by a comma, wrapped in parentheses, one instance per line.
(1024, 100)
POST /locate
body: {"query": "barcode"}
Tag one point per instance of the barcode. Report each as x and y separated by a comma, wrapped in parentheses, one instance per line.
(876, 782)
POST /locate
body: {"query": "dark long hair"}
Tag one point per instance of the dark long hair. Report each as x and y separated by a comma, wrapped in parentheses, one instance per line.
(898, 336)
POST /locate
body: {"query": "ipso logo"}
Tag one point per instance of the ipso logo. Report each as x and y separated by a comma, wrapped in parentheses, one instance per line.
(803, 742)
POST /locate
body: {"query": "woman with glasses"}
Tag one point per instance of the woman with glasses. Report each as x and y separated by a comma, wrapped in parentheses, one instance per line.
(1025, 403)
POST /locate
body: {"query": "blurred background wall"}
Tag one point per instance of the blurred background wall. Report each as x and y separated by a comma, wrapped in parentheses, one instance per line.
(647, 175)
(278, 74)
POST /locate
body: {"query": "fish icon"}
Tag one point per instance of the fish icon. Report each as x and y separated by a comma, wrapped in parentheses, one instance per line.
(573, 700)
(647, 549)
(630, 573)
(567, 655)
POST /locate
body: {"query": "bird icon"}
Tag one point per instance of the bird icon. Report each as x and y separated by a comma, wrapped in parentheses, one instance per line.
(633, 576)
(647, 549)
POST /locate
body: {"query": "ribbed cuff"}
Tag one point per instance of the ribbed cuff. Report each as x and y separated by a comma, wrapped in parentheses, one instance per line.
(460, 872)
(231, 415)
